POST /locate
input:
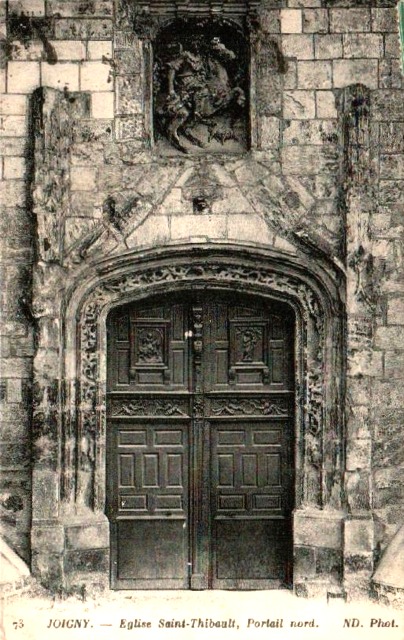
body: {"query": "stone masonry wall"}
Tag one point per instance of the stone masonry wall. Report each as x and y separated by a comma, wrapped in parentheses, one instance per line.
(298, 187)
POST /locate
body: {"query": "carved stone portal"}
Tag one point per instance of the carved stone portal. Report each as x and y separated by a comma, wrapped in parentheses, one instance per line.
(200, 86)
(320, 469)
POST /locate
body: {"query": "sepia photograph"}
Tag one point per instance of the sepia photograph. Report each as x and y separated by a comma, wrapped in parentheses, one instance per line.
(202, 319)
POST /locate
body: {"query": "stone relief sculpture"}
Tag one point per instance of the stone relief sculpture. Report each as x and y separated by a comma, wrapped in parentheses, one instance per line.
(199, 94)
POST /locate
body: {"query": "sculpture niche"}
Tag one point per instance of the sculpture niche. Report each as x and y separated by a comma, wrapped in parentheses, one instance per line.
(200, 92)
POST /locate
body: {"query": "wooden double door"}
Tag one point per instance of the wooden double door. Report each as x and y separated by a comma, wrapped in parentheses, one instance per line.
(200, 442)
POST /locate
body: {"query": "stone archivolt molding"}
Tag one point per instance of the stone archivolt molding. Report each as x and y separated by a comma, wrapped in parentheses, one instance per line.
(317, 363)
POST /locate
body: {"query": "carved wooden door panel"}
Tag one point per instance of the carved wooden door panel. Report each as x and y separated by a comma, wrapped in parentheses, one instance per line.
(148, 446)
(249, 407)
(200, 444)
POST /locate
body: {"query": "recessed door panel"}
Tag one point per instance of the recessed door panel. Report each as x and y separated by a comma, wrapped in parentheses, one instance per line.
(200, 443)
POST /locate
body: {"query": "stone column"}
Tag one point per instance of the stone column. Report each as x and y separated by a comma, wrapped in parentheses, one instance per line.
(363, 364)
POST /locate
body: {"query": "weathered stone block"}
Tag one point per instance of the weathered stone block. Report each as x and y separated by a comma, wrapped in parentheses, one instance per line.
(48, 567)
(314, 74)
(304, 565)
(270, 21)
(329, 563)
(250, 228)
(392, 166)
(363, 45)
(127, 62)
(325, 105)
(16, 367)
(15, 454)
(88, 154)
(390, 75)
(13, 192)
(305, 160)
(27, 7)
(395, 311)
(95, 76)
(13, 146)
(291, 20)
(82, 204)
(300, 46)
(17, 414)
(210, 226)
(357, 487)
(315, 21)
(87, 560)
(45, 539)
(14, 390)
(13, 126)
(328, 47)
(299, 105)
(359, 425)
(102, 105)
(365, 363)
(394, 365)
(358, 454)
(59, 76)
(311, 132)
(153, 232)
(23, 77)
(392, 46)
(32, 51)
(14, 168)
(347, 72)
(69, 50)
(390, 337)
(88, 536)
(289, 78)
(318, 529)
(130, 128)
(129, 95)
(15, 105)
(391, 192)
(392, 137)
(349, 20)
(387, 105)
(384, 19)
(270, 132)
(97, 50)
(83, 178)
(45, 498)
(73, 29)
(68, 9)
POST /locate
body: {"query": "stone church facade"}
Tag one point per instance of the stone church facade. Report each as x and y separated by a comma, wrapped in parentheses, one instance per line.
(241, 160)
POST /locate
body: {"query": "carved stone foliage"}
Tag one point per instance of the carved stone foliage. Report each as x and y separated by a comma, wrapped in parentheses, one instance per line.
(112, 291)
(359, 188)
(250, 406)
(55, 118)
(200, 85)
(53, 128)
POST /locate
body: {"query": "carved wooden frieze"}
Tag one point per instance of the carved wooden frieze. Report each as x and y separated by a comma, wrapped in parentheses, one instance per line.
(276, 407)
(146, 406)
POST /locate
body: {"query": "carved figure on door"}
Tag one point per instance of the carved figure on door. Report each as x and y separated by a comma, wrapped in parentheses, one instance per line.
(150, 346)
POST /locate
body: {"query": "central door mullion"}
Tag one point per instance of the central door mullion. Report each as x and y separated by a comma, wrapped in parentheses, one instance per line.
(200, 455)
